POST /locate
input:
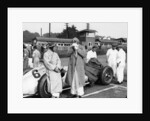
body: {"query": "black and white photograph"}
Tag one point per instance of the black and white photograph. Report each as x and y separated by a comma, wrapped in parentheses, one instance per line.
(74, 60)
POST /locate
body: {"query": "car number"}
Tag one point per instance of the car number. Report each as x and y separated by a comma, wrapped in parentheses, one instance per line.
(36, 74)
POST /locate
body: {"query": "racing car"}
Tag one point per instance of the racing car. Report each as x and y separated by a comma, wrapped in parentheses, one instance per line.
(35, 79)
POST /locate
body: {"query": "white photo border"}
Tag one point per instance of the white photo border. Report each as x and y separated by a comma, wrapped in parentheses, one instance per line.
(18, 104)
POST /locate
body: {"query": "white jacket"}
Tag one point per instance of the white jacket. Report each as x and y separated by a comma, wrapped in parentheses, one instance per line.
(112, 55)
(121, 57)
(91, 54)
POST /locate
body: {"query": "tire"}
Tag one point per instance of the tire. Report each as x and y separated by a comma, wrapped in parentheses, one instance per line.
(42, 87)
(106, 75)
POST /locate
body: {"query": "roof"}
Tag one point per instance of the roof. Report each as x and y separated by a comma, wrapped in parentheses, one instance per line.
(120, 39)
(88, 30)
(108, 41)
(46, 39)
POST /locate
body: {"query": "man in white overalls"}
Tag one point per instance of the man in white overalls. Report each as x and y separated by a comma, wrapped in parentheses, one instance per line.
(121, 57)
(52, 64)
(112, 58)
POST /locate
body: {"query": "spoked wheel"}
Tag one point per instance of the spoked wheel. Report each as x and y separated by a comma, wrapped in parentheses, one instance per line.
(106, 75)
(43, 89)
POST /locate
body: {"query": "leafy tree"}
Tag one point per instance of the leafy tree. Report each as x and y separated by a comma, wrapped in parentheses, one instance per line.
(69, 32)
(28, 36)
(53, 35)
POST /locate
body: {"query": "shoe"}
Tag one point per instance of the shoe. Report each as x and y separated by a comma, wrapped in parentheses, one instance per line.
(119, 82)
(79, 96)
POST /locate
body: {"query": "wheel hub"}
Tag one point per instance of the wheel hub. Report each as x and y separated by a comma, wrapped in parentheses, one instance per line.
(107, 75)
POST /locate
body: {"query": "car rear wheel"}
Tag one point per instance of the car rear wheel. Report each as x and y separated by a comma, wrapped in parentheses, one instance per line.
(106, 75)
(42, 87)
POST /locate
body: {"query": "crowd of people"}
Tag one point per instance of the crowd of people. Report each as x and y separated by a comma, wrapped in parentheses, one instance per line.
(116, 58)
(75, 76)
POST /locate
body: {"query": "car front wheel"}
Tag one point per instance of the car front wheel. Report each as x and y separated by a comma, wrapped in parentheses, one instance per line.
(42, 87)
(106, 75)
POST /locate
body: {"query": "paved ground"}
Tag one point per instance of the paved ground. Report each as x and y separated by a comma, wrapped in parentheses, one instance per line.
(102, 91)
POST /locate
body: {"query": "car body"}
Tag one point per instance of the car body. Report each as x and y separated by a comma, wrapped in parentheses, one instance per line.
(31, 79)
(35, 80)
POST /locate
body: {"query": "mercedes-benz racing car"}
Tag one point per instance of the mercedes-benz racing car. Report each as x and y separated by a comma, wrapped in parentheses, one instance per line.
(35, 79)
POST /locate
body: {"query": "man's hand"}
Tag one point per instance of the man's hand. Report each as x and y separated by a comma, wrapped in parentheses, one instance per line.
(75, 46)
(57, 70)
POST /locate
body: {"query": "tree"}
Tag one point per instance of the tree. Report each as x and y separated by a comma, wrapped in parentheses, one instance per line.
(69, 32)
(53, 35)
(28, 36)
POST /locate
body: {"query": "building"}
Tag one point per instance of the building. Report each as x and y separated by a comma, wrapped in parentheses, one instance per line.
(62, 44)
(87, 37)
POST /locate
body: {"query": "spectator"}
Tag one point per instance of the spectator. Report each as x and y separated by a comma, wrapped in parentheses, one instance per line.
(92, 53)
(25, 57)
(36, 57)
(76, 74)
(86, 48)
(112, 59)
(121, 57)
(52, 63)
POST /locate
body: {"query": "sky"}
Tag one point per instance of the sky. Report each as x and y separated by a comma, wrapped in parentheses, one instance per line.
(113, 29)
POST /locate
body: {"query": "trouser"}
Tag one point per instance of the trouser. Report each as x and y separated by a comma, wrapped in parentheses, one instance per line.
(120, 72)
(75, 88)
(54, 83)
(113, 65)
(54, 94)
(79, 91)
